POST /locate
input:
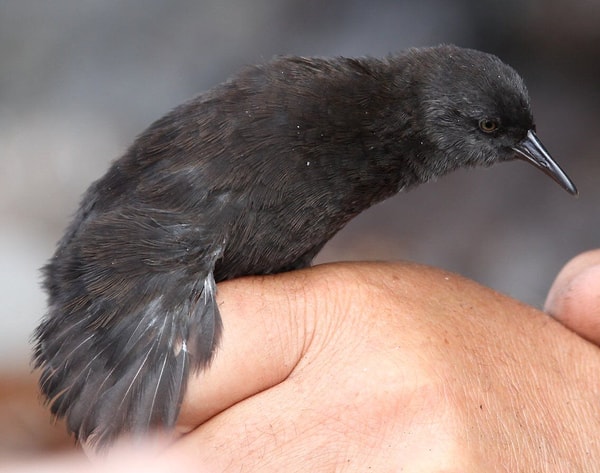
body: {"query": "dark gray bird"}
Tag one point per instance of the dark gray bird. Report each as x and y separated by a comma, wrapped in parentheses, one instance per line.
(251, 177)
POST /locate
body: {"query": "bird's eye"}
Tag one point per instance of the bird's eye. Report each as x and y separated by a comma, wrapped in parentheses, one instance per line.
(488, 125)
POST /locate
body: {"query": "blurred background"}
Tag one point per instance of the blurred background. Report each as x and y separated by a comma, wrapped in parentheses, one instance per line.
(80, 78)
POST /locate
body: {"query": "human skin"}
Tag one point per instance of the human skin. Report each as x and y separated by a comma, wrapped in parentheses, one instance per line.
(393, 367)
(574, 298)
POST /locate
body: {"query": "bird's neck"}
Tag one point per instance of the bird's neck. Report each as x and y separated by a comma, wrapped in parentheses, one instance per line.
(371, 110)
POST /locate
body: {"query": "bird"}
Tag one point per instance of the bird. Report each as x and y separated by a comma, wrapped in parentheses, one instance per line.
(252, 177)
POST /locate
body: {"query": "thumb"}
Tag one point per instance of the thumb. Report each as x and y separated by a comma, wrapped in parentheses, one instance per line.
(574, 298)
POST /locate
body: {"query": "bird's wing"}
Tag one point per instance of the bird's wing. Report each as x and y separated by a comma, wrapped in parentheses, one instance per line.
(131, 309)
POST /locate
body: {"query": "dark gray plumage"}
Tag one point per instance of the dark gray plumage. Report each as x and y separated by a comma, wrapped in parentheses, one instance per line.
(252, 177)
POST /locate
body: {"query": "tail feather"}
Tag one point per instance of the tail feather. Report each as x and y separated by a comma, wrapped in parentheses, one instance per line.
(130, 375)
(198, 342)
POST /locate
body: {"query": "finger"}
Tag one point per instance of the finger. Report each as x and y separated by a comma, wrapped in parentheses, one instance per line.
(263, 337)
(574, 298)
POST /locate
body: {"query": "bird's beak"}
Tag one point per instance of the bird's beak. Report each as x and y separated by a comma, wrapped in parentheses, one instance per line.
(532, 150)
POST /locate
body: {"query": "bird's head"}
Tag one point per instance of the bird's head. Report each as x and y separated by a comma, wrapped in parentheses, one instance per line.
(476, 112)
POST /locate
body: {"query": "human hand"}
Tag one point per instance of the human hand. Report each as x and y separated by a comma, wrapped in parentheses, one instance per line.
(390, 367)
(574, 298)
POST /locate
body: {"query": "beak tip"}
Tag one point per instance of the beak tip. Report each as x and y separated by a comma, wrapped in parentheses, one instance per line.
(532, 150)
(569, 187)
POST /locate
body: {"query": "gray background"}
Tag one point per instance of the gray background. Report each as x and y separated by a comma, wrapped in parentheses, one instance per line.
(79, 79)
